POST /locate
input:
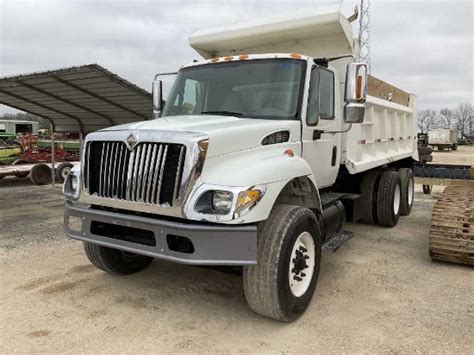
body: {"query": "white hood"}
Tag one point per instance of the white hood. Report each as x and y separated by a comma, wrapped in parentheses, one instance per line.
(227, 134)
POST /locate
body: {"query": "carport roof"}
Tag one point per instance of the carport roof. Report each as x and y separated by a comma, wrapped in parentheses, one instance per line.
(83, 98)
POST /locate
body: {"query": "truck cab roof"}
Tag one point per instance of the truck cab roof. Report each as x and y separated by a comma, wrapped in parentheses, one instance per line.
(244, 57)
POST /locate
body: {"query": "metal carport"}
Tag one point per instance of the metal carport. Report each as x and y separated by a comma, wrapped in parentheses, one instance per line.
(78, 99)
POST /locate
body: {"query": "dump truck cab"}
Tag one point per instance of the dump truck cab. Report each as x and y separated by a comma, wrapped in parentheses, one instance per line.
(298, 96)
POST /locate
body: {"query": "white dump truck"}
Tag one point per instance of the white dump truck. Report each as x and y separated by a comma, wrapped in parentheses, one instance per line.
(443, 138)
(260, 154)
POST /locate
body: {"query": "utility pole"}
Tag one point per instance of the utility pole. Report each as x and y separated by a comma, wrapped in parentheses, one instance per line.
(364, 33)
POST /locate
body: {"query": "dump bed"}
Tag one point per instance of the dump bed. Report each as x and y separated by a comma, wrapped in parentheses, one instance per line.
(322, 32)
(387, 134)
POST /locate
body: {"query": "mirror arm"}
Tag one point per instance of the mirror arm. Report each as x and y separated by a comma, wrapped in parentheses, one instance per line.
(157, 98)
(163, 74)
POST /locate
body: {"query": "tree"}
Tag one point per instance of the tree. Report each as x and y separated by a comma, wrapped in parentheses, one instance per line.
(447, 117)
(427, 119)
(464, 117)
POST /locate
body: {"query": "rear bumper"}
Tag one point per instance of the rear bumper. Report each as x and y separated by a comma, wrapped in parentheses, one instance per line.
(212, 244)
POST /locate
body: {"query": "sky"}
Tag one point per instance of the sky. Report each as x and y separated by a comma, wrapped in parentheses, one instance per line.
(423, 47)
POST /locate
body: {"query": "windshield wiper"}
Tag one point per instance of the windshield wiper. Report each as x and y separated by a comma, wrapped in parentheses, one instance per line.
(225, 113)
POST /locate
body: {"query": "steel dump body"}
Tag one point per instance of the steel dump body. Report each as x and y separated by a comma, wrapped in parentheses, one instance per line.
(387, 134)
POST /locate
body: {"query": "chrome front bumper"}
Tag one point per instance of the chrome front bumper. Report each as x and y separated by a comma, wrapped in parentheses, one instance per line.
(212, 244)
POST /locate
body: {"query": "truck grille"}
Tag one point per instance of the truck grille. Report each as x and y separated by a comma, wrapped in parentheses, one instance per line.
(150, 173)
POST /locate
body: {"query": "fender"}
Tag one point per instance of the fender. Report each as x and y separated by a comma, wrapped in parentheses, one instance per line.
(263, 165)
(266, 165)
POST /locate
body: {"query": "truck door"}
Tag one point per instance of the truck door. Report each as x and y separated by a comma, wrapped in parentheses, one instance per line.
(322, 150)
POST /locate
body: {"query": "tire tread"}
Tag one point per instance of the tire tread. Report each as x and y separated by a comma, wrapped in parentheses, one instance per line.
(405, 175)
(385, 198)
(368, 187)
(261, 280)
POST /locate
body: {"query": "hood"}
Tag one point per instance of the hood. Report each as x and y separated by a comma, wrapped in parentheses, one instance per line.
(227, 134)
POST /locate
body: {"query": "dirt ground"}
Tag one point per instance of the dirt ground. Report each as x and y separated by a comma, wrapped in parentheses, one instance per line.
(463, 156)
(380, 292)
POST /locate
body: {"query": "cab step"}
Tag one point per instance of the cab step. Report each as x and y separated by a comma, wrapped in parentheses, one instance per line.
(335, 241)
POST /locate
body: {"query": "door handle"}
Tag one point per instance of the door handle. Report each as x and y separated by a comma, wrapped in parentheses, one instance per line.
(317, 134)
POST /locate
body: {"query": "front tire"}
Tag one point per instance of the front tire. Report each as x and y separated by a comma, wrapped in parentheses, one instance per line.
(115, 262)
(282, 283)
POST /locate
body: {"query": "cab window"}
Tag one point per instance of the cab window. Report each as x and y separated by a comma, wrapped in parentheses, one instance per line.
(321, 96)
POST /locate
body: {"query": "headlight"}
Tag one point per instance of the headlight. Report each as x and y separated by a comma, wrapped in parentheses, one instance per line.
(72, 186)
(222, 201)
(224, 205)
(215, 202)
(74, 183)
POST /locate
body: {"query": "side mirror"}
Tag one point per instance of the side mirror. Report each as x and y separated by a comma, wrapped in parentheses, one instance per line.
(157, 95)
(355, 92)
(354, 113)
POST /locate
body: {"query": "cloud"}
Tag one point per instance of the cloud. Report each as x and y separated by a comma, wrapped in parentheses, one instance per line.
(423, 47)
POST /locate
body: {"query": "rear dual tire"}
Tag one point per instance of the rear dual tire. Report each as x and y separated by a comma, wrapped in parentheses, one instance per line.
(408, 191)
(385, 195)
(368, 187)
(389, 198)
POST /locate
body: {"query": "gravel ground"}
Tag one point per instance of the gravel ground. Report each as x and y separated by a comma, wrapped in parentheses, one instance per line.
(379, 292)
(463, 156)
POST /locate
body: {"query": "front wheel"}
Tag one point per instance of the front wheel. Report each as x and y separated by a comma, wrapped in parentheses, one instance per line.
(282, 283)
(115, 261)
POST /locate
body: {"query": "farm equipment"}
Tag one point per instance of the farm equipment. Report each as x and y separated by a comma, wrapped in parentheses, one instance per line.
(25, 158)
(8, 152)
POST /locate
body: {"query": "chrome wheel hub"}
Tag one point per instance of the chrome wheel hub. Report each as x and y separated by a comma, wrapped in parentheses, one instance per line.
(410, 192)
(396, 199)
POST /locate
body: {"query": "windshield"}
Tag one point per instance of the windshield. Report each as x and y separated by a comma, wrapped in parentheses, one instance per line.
(263, 88)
